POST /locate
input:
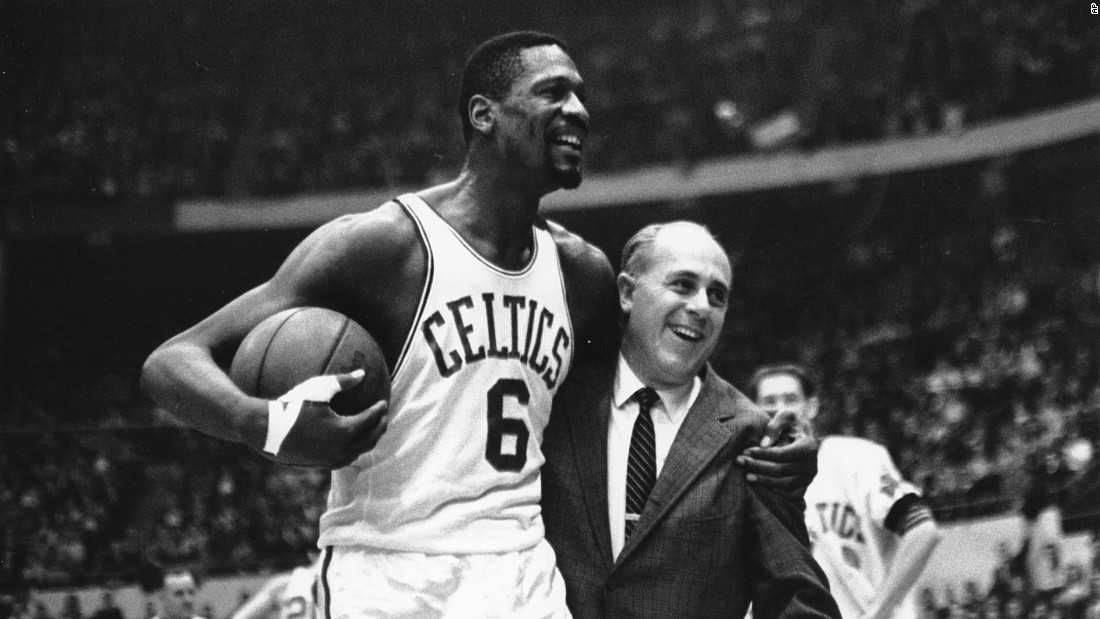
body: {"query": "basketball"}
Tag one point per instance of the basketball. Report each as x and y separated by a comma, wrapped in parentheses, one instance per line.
(299, 343)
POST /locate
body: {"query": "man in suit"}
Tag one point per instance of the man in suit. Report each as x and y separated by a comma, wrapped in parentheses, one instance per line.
(642, 501)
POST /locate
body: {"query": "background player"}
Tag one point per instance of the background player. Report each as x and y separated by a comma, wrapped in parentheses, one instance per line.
(291, 595)
(870, 529)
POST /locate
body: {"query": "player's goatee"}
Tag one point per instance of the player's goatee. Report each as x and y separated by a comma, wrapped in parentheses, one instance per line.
(569, 179)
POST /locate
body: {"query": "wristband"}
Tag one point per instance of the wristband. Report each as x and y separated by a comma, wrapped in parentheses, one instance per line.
(283, 413)
(281, 417)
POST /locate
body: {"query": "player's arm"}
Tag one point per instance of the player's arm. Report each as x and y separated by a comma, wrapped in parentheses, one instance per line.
(265, 602)
(591, 294)
(912, 519)
(786, 459)
(185, 374)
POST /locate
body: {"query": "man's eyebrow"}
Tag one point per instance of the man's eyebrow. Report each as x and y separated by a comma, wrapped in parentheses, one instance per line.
(683, 273)
(554, 80)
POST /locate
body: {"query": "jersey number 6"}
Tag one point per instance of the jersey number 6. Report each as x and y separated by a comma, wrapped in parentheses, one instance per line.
(500, 426)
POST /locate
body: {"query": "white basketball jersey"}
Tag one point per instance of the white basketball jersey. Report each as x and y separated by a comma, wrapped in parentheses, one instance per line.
(846, 507)
(298, 599)
(1045, 557)
(457, 471)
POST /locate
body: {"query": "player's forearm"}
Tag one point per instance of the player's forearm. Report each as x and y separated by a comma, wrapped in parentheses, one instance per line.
(914, 550)
(256, 608)
(264, 603)
(186, 382)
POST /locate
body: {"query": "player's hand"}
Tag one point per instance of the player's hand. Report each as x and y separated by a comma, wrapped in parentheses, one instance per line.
(786, 460)
(321, 438)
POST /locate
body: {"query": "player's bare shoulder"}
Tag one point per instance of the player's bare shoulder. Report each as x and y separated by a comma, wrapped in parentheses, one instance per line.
(369, 266)
(579, 254)
(357, 256)
(383, 237)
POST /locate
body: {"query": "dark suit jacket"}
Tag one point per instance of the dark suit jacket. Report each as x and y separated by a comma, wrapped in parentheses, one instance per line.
(707, 542)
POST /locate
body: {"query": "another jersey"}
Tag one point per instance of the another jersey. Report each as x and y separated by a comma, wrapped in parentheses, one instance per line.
(846, 507)
(1045, 560)
(298, 600)
(457, 470)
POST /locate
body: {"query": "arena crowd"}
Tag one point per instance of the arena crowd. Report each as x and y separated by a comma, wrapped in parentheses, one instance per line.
(967, 343)
(127, 102)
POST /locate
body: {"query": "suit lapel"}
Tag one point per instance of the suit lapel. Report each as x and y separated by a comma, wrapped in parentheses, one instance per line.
(701, 436)
(588, 423)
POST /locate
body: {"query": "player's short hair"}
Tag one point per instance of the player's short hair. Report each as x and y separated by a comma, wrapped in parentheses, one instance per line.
(493, 66)
(635, 258)
(809, 389)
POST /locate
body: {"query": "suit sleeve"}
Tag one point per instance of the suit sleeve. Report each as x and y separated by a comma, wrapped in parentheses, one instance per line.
(789, 510)
(785, 579)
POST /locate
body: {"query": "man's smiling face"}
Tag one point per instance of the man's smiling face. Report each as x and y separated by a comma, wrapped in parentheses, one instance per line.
(676, 303)
(543, 120)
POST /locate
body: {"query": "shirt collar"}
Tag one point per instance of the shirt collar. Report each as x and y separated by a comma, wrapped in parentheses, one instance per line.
(676, 402)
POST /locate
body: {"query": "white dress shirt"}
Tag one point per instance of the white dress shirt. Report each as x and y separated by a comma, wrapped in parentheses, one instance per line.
(668, 414)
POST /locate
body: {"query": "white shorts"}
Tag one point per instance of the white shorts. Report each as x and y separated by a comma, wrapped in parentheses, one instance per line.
(368, 582)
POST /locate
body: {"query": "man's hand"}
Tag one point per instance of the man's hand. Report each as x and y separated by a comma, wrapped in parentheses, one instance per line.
(304, 431)
(786, 460)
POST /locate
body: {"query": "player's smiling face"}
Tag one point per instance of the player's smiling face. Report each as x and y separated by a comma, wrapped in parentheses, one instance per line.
(676, 305)
(543, 120)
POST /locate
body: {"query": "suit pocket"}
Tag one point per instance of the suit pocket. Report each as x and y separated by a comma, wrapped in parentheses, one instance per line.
(711, 541)
(714, 501)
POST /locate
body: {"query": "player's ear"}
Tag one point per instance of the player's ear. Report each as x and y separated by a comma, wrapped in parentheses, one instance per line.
(626, 285)
(482, 112)
(812, 406)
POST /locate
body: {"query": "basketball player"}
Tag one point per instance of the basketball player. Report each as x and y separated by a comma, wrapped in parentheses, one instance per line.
(871, 531)
(291, 595)
(1043, 555)
(480, 307)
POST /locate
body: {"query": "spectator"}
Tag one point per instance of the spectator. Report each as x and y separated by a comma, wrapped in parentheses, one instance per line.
(70, 608)
(176, 592)
(107, 608)
(81, 132)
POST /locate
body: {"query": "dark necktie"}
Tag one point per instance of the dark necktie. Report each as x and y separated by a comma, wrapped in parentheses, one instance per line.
(641, 463)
